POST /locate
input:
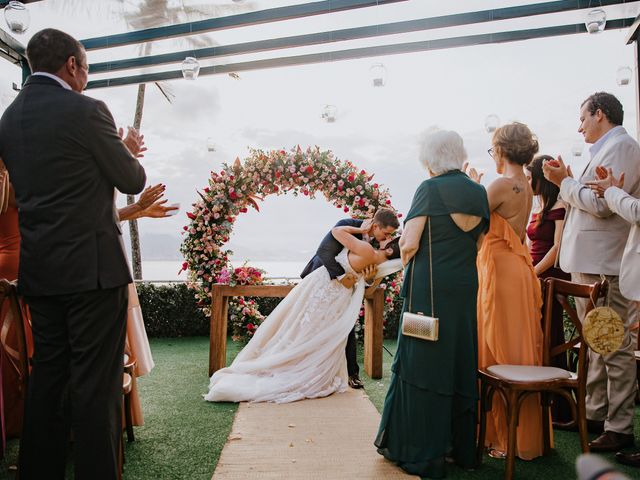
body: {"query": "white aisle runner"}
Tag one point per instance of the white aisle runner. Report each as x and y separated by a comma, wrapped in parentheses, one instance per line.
(326, 438)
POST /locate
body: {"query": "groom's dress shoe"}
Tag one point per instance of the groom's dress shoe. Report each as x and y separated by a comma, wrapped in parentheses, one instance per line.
(611, 442)
(355, 382)
(631, 459)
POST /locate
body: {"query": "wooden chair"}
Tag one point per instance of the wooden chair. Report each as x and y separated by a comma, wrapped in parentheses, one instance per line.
(515, 382)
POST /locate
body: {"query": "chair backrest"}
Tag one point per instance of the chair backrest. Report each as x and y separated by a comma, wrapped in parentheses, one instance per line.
(560, 291)
(17, 353)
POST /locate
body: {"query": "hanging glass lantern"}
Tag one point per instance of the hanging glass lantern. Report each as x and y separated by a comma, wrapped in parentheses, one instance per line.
(190, 68)
(596, 20)
(329, 113)
(491, 123)
(378, 73)
(211, 145)
(17, 16)
(576, 148)
(623, 76)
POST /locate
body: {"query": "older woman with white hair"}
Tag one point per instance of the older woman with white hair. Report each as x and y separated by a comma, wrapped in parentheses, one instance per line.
(430, 408)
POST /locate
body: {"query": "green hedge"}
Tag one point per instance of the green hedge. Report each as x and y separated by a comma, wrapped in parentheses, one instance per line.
(171, 311)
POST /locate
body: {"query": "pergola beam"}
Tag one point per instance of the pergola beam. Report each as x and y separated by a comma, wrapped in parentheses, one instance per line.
(365, 52)
(357, 33)
(231, 21)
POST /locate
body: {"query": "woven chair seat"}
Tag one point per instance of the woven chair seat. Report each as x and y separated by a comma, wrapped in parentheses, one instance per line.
(528, 373)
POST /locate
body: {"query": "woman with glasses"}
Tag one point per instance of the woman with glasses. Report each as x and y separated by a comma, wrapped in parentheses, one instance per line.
(509, 297)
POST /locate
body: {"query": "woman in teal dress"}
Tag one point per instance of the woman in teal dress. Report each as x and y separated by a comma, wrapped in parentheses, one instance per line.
(430, 409)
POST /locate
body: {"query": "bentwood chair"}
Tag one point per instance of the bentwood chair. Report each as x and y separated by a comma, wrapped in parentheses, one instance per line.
(514, 383)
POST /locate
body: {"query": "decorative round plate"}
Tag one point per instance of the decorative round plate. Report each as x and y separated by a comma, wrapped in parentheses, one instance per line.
(603, 330)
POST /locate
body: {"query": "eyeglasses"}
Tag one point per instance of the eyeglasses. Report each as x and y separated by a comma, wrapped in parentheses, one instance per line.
(490, 152)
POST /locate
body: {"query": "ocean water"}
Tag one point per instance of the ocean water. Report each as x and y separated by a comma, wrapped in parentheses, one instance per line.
(167, 270)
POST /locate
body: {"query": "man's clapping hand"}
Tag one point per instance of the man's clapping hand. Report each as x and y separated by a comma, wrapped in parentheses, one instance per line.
(605, 181)
(133, 141)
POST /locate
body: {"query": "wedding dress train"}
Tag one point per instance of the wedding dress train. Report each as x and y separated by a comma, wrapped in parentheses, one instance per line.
(298, 351)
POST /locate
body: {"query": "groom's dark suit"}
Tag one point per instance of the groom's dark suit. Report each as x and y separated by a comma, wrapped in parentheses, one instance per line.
(65, 158)
(326, 257)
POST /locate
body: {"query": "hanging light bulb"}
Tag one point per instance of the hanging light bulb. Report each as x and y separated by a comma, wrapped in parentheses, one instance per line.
(378, 73)
(596, 20)
(211, 145)
(623, 76)
(491, 123)
(17, 16)
(190, 68)
(576, 148)
(329, 113)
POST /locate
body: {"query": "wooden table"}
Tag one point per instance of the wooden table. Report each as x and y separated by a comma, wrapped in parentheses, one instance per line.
(373, 318)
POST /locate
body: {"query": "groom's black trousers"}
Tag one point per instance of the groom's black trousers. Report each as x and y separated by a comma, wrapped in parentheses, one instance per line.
(350, 351)
(75, 384)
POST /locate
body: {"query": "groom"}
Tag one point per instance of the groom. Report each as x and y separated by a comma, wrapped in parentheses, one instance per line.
(382, 226)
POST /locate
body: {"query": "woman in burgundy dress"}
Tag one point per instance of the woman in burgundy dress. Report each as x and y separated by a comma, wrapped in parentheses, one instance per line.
(543, 236)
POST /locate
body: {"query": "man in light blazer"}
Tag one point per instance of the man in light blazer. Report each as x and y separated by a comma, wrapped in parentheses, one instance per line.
(628, 208)
(592, 246)
(65, 158)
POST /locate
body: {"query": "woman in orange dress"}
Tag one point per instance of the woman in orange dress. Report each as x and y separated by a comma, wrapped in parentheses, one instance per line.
(11, 394)
(509, 296)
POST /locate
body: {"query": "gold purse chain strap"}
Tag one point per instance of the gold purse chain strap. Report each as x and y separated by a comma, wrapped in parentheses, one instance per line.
(430, 273)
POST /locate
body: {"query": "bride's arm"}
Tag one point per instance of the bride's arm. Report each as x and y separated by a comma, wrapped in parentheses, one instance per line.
(344, 235)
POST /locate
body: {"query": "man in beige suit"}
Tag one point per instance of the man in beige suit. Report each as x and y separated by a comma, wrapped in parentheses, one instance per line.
(628, 208)
(592, 245)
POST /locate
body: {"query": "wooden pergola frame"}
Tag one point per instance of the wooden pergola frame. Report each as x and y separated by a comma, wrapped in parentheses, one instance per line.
(220, 294)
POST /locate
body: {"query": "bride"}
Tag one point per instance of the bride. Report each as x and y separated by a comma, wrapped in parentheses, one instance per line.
(298, 351)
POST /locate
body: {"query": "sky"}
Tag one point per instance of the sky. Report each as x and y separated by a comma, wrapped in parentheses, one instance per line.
(539, 82)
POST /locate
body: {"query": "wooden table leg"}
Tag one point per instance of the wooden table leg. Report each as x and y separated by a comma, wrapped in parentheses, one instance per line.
(218, 331)
(373, 328)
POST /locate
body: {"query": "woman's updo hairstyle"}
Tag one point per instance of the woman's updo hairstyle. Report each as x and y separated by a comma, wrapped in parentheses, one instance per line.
(516, 142)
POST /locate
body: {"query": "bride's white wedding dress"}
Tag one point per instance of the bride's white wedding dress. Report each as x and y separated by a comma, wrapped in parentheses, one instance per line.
(298, 351)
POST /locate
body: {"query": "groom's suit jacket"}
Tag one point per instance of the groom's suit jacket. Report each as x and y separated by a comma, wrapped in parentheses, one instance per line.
(628, 208)
(65, 158)
(328, 250)
(594, 237)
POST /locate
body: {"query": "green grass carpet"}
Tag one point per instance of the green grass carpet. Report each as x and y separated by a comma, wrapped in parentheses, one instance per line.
(183, 435)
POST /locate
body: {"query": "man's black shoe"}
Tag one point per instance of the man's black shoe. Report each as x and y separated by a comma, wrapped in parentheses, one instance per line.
(631, 459)
(355, 382)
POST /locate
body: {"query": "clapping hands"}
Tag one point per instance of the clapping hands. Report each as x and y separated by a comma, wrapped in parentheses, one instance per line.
(605, 180)
(133, 141)
(472, 173)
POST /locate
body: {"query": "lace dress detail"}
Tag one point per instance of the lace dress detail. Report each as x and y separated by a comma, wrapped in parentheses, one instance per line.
(298, 351)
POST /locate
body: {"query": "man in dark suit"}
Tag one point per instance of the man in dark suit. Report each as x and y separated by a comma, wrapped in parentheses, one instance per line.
(65, 157)
(382, 226)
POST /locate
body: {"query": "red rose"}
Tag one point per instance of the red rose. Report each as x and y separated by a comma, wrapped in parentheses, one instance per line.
(191, 216)
(282, 152)
(206, 189)
(375, 185)
(388, 202)
(399, 215)
(250, 326)
(306, 192)
(361, 202)
(278, 174)
(233, 196)
(243, 210)
(346, 209)
(351, 177)
(185, 228)
(362, 172)
(275, 188)
(309, 169)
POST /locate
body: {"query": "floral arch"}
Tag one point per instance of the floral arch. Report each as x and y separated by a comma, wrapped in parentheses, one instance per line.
(239, 186)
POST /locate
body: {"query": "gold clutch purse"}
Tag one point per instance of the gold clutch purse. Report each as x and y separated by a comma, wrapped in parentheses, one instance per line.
(419, 325)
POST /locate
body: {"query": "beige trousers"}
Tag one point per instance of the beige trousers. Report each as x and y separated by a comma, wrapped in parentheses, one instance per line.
(611, 379)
